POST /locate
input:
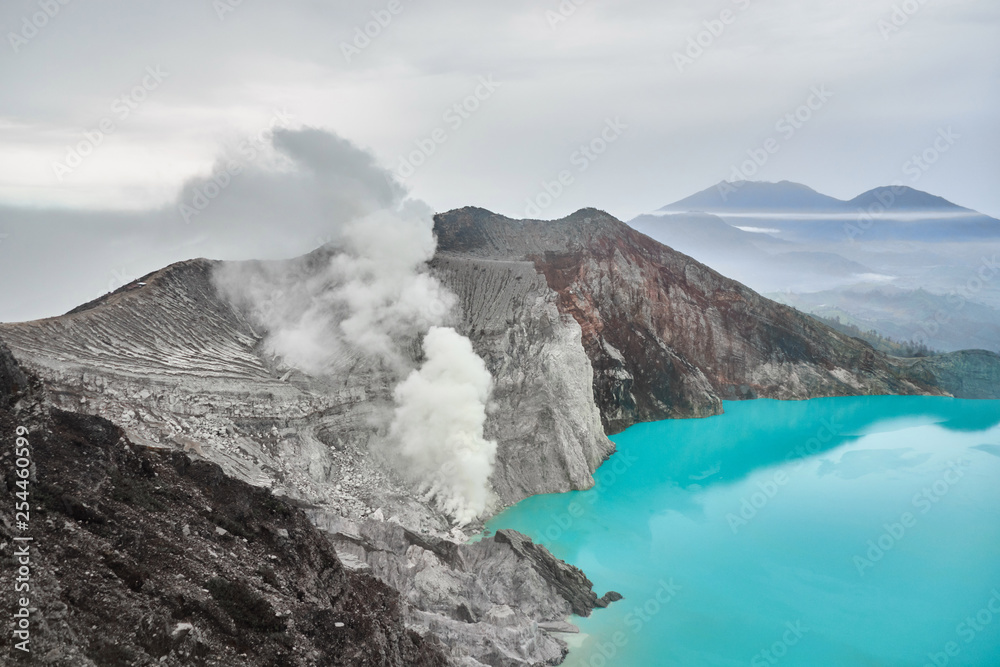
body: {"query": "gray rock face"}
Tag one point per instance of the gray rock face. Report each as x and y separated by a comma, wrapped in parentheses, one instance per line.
(493, 602)
(146, 558)
(965, 374)
(571, 583)
(180, 368)
(544, 419)
(177, 365)
(12, 378)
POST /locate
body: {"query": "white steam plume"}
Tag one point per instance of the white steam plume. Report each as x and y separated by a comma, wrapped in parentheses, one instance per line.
(440, 414)
(369, 295)
(366, 298)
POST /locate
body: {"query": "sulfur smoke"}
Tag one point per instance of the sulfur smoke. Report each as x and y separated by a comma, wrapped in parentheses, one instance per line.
(365, 298)
(440, 414)
(362, 298)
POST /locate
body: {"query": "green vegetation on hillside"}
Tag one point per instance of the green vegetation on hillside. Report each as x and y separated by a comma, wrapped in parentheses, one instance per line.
(881, 343)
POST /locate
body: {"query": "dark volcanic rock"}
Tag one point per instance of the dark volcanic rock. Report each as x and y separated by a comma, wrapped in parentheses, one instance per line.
(492, 601)
(608, 598)
(572, 584)
(12, 378)
(143, 558)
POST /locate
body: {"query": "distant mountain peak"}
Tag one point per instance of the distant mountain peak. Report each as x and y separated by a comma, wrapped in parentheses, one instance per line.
(756, 196)
(791, 197)
(903, 197)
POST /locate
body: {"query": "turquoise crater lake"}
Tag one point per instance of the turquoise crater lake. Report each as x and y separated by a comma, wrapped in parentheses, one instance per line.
(831, 532)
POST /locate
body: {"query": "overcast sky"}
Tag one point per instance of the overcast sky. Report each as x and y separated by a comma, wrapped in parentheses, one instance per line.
(189, 86)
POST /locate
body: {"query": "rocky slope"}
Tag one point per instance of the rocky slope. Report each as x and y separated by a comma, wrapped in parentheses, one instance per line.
(541, 372)
(495, 602)
(667, 336)
(143, 558)
(965, 374)
(12, 379)
(146, 556)
(177, 365)
(581, 321)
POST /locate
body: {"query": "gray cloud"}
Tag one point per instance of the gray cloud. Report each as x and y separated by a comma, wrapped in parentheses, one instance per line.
(275, 199)
(608, 59)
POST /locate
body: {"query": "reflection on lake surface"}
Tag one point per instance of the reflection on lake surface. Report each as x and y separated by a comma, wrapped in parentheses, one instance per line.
(843, 531)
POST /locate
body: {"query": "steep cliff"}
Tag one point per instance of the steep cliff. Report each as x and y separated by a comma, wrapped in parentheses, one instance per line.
(667, 336)
(493, 601)
(545, 421)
